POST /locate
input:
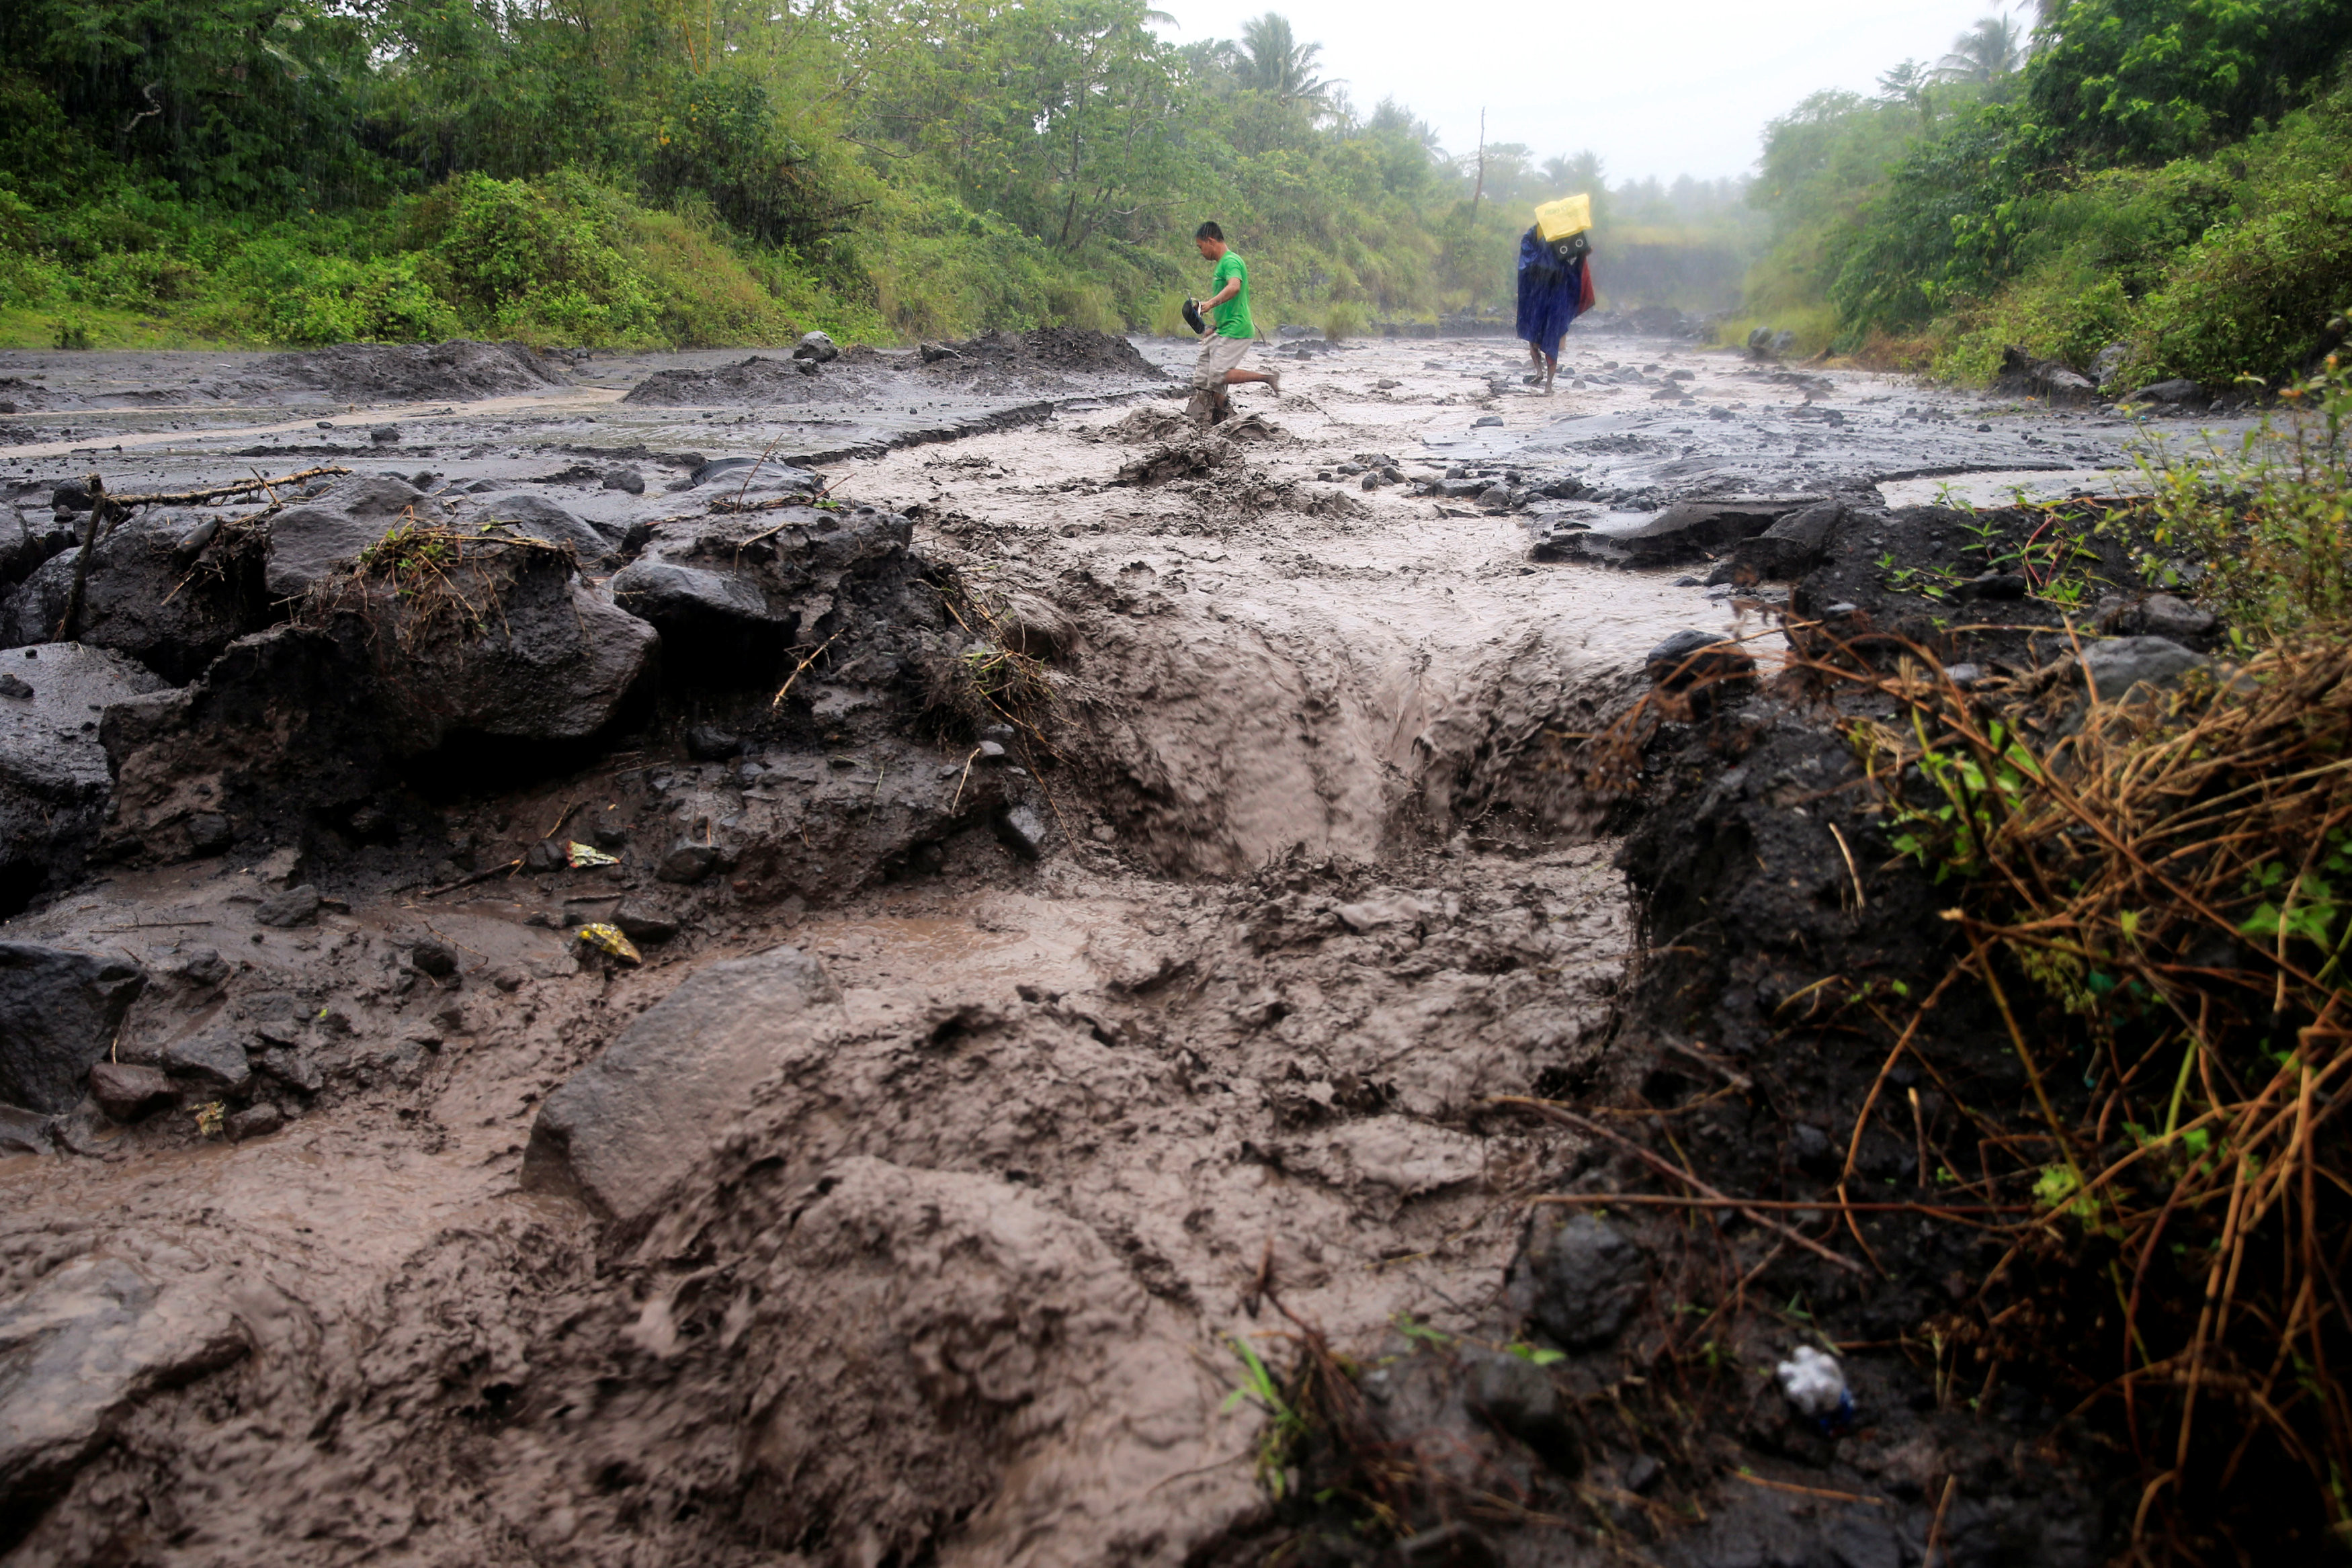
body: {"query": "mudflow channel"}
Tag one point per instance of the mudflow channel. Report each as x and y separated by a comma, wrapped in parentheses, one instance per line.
(981, 1082)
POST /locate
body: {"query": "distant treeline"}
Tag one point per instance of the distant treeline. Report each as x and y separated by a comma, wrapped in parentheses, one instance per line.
(716, 171)
(2174, 176)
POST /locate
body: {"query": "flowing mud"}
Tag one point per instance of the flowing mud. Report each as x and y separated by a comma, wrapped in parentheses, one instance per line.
(1102, 953)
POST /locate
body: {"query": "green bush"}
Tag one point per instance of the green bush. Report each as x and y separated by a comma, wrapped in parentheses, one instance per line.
(2272, 515)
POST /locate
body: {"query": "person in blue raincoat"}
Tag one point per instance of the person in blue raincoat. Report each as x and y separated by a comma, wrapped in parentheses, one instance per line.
(1552, 293)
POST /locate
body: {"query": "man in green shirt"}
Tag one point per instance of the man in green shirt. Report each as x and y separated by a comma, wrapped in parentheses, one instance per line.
(1226, 331)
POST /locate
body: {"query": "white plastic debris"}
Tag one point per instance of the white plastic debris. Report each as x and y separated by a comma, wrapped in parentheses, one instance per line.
(1815, 1384)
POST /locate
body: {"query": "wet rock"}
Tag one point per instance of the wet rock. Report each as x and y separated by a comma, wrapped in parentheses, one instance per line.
(1517, 1397)
(1487, 419)
(1992, 585)
(59, 1012)
(688, 862)
(1579, 1280)
(325, 534)
(2022, 375)
(140, 597)
(2171, 394)
(545, 855)
(292, 906)
(816, 346)
(933, 353)
(708, 743)
(128, 1091)
(216, 1063)
(1022, 830)
(289, 1066)
(540, 519)
(643, 923)
(622, 1128)
(728, 594)
(53, 772)
(209, 833)
(626, 479)
(1690, 658)
(384, 434)
(2163, 615)
(2118, 665)
(14, 689)
(2108, 362)
(1691, 530)
(89, 1342)
(1794, 545)
(25, 1132)
(433, 957)
(202, 968)
(254, 1122)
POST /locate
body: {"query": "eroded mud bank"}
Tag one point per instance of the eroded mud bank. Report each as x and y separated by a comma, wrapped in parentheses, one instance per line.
(983, 1083)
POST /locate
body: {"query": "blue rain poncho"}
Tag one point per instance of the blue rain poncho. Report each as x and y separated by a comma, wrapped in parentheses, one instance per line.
(1551, 294)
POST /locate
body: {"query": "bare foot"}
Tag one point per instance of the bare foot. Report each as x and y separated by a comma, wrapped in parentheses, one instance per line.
(1274, 380)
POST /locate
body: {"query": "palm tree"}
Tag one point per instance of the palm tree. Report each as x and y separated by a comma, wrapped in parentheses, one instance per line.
(1280, 65)
(1994, 49)
(1571, 175)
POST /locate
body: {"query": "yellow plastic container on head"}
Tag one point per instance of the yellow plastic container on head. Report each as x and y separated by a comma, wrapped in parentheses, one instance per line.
(1558, 220)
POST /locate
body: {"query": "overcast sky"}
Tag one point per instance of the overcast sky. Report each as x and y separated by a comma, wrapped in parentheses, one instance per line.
(1655, 86)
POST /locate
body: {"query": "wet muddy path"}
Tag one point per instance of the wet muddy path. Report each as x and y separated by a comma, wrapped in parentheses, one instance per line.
(952, 1269)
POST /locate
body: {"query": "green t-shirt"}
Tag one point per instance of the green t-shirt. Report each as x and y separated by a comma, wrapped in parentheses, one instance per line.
(1233, 318)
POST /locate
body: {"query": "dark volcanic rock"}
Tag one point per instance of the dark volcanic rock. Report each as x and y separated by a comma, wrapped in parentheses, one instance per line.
(539, 517)
(254, 1122)
(326, 535)
(59, 1014)
(164, 587)
(627, 1124)
(1578, 1279)
(2171, 392)
(214, 1062)
(433, 957)
(1690, 658)
(688, 862)
(2021, 372)
(25, 1132)
(2119, 663)
(289, 907)
(53, 770)
(1794, 545)
(128, 1091)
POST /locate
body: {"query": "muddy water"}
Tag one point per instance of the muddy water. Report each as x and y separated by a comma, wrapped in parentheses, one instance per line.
(1319, 896)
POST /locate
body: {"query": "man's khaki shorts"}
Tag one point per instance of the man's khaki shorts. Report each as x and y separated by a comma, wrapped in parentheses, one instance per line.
(1218, 355)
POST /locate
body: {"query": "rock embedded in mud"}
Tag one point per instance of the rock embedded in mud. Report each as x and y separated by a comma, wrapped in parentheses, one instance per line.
(324, 536)
(25, 1132)
(2118, 665)
(59, 1012)
(213, 1061)
(1022, 830)
(1515, 1397)
(86, 1345)
(1579, 1280)
(433, 957)
(687, 863)
(619, 1131)
(200, 967)
(817, 346)
(642, 923)
(1690, 658)
(128, 1091)
(141, 597)
(254, 1122)
(536, 516)
(2163, 615)
(290, 907)
(54, 778)
(626, 479)
(708, 743)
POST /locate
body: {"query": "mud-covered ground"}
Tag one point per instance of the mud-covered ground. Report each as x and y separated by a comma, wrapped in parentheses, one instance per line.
(989, 1077)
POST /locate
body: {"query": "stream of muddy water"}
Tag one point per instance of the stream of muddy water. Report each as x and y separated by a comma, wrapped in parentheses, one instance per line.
(957, 1272)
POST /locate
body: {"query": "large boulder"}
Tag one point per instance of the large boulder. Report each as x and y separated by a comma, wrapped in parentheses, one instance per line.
(170, 588)
(524, 513)
(84, 1347)
(622, 1129)
(1689, 530)
(327, 533)
(59, 1014)
(1789, 548)
(53, 770)
(731, 592)
(2052, 380)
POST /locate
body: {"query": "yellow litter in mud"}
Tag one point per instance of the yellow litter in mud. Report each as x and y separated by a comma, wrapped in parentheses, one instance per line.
(608, 939)
(577, 855)
(1558, 220)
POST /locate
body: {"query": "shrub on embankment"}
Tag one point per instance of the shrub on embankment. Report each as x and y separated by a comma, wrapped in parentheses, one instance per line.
(2164, 175)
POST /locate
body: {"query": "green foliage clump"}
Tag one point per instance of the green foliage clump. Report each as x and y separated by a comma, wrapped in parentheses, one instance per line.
(2273, 515)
